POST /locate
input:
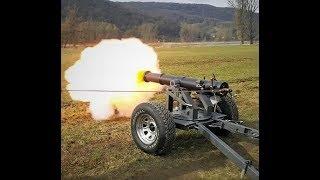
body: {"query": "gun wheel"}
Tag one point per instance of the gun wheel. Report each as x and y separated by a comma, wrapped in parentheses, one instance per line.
(152, 128)
(228, 107)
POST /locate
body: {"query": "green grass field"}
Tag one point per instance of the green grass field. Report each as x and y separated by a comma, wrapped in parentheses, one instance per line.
(105, 149)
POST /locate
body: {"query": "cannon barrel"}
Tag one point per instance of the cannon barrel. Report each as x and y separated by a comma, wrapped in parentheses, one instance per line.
(186, 82)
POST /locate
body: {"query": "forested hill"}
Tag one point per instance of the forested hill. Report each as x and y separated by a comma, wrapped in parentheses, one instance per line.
(128, 14)
(106, 11)
(192, 13)
(92, 20)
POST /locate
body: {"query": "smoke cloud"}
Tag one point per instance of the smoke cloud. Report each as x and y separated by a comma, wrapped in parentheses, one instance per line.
(113, 65)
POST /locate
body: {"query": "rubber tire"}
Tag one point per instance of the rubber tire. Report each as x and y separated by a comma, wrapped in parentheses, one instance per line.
(165, 125)
(228, 107)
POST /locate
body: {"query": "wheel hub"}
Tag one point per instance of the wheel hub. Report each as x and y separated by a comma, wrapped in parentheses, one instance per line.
(146, 129)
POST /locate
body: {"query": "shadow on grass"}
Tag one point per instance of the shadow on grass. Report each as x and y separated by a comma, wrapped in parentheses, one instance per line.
(235, 140)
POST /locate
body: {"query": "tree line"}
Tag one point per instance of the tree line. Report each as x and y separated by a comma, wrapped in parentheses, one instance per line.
(75, 30)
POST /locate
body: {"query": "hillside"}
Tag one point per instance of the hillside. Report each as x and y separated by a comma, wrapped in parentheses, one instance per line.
(128, 14)
(150, 21)
(107, 11)
(193, 13)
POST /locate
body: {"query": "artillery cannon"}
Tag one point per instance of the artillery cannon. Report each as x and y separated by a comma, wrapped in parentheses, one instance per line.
(204, 105)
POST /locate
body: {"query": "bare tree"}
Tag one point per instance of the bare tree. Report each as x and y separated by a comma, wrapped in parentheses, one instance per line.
(223, 32)
(190, 32)
(148, 32)
(252, 6)
(240, 7)
(69, 27)
(245, 18)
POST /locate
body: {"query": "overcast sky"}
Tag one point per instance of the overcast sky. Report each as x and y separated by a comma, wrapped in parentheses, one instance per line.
(218, 3)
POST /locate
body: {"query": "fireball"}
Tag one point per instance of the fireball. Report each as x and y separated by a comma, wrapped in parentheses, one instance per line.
(111, 67)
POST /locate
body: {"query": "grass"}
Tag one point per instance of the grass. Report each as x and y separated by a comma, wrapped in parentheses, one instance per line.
(105, 149)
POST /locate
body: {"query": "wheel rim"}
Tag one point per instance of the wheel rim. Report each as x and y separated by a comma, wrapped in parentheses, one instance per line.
(146, 128)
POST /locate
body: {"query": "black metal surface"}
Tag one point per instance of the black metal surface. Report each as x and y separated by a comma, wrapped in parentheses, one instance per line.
(183, 124)
(235, 127)
(206, 103)
(217, 116)
(188, 83)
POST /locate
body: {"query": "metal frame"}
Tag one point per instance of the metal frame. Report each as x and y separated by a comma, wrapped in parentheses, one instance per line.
(190, 116)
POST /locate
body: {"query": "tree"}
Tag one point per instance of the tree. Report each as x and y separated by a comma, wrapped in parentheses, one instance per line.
(167, 30)
(148, 32)
(65, 34)
(224, 32)
(90, 31)
(106, 30)
(133, 32)
(245, 18)
(207, 30)
(185, 33)
(252, 6)
(189, 32)
(240, 7)
(69, 27)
